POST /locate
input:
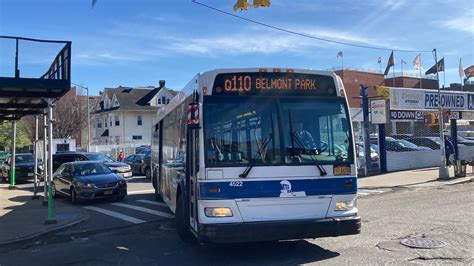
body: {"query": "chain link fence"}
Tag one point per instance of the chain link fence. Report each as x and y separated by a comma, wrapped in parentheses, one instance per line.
(415, 144)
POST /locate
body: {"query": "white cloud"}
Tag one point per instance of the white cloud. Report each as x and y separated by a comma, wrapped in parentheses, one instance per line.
(463, 23)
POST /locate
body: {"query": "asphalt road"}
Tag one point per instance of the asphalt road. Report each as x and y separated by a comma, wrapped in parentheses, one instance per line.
(440, 213)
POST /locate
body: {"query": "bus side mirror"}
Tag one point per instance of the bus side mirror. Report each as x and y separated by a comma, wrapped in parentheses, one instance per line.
(193, 116)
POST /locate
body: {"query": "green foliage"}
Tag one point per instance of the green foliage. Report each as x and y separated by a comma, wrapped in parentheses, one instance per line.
(23, 137)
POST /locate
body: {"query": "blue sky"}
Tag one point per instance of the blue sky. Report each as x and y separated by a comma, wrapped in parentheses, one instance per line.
(139, 42)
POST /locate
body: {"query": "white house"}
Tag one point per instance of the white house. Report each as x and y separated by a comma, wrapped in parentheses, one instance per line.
(124, 115)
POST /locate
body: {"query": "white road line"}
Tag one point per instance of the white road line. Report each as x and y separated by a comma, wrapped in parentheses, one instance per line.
(140, 192)
(376, 191)
(116, 215)
(138, 208)
(362, 193)
(152, 202)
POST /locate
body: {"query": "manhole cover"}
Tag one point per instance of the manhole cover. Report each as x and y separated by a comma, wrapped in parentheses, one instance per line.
(422, 242)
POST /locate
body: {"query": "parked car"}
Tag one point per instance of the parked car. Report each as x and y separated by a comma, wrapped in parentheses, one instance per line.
(122, 169)
(140, 164)
(430, 142)
(24, 167)
(408, 144)
(374, 155)
(142, 149)
(394, 145)
(88, 180)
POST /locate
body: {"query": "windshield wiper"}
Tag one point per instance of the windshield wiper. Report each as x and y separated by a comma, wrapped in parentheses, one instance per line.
(259, 154)
(296, 138)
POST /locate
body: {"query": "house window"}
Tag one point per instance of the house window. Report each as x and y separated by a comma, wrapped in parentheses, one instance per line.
(139, 120)
(110, 119)
(117, 121)
(105, 122)
(137, 137)
(159, 101)
(99, 125)
(167, 101)
(163, 99)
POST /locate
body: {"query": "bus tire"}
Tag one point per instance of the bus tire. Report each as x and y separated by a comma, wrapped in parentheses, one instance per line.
(182, 227)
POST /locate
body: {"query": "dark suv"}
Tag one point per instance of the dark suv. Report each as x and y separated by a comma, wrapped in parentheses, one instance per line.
(121, 169)
(24, 167)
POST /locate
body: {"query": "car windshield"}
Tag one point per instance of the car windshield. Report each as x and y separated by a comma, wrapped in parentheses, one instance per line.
(406, 144)
(24, 158)
(99, 157)
(275, 131)
(90, 169)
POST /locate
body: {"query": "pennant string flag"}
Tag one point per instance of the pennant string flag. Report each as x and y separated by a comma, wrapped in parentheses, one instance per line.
(461, 70)
(390, 63)
(417, 62)
(469, 72)
(438, 67)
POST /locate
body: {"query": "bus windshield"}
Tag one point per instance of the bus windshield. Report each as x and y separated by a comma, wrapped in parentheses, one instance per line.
(243, 131)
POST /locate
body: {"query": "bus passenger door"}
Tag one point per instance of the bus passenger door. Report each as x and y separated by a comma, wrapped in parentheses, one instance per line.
(191, 175)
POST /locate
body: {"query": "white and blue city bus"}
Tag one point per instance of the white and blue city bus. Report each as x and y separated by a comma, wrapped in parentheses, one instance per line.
(257, 155)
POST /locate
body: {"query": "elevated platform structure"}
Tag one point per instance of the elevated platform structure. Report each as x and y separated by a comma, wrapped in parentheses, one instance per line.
(21, 96)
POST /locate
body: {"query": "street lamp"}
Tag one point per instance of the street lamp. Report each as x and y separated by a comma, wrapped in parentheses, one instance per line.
(88, 118)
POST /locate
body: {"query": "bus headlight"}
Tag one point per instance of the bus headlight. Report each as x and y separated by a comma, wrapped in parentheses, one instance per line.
(344, 205)
(218, 212)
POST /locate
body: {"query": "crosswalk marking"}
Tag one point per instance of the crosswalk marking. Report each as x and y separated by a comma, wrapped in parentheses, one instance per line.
(116, 215)
(140, 192)
(138, 208)
(153, 202)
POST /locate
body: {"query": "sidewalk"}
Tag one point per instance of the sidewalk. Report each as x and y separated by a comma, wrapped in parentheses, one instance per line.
(23, 218)
(418, 177)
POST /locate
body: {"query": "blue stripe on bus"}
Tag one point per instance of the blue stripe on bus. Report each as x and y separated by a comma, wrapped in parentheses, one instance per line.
(272, 188)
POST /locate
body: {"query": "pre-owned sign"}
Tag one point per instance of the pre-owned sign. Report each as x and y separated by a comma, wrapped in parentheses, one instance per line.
(456, 101)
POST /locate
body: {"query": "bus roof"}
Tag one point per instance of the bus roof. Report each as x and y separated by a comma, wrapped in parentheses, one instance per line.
(206, 79)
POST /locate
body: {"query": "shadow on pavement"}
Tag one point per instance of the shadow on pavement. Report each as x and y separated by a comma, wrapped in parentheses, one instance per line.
(284, 253)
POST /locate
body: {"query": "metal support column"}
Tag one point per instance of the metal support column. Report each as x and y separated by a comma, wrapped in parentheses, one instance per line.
(51, 216)
(382, 149)
(454, 134)
(45, 160)
(364, 93)
(13, 161)
(35, 170)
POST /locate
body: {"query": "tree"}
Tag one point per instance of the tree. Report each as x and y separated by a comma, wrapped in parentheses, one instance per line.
(69, 117)
(23, 137)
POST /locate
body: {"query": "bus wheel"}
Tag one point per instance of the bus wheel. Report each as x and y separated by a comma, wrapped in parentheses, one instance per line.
(181, 222)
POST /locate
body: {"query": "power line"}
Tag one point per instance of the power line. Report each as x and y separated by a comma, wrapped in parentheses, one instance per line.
(307, 35)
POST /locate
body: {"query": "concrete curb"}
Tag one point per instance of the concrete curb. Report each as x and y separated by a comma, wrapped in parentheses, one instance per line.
(84, 217)
(452, 181)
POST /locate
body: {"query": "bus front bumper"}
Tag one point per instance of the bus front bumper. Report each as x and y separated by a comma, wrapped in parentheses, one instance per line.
(279, 230)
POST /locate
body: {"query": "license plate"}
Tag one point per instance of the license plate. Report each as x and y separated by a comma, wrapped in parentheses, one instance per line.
(30, 174)
(342, 170)
(108, 192)
(127, 174)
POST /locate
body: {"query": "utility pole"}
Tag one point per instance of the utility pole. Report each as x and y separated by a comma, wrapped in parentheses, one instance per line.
(443, 169)
(88, 117)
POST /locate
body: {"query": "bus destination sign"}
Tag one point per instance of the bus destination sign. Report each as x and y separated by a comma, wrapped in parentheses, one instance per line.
(253, 83)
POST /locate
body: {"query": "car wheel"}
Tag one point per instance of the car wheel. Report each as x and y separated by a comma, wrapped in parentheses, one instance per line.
(181, 222)
(148, 173)
(120, 198)
(73, 196)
